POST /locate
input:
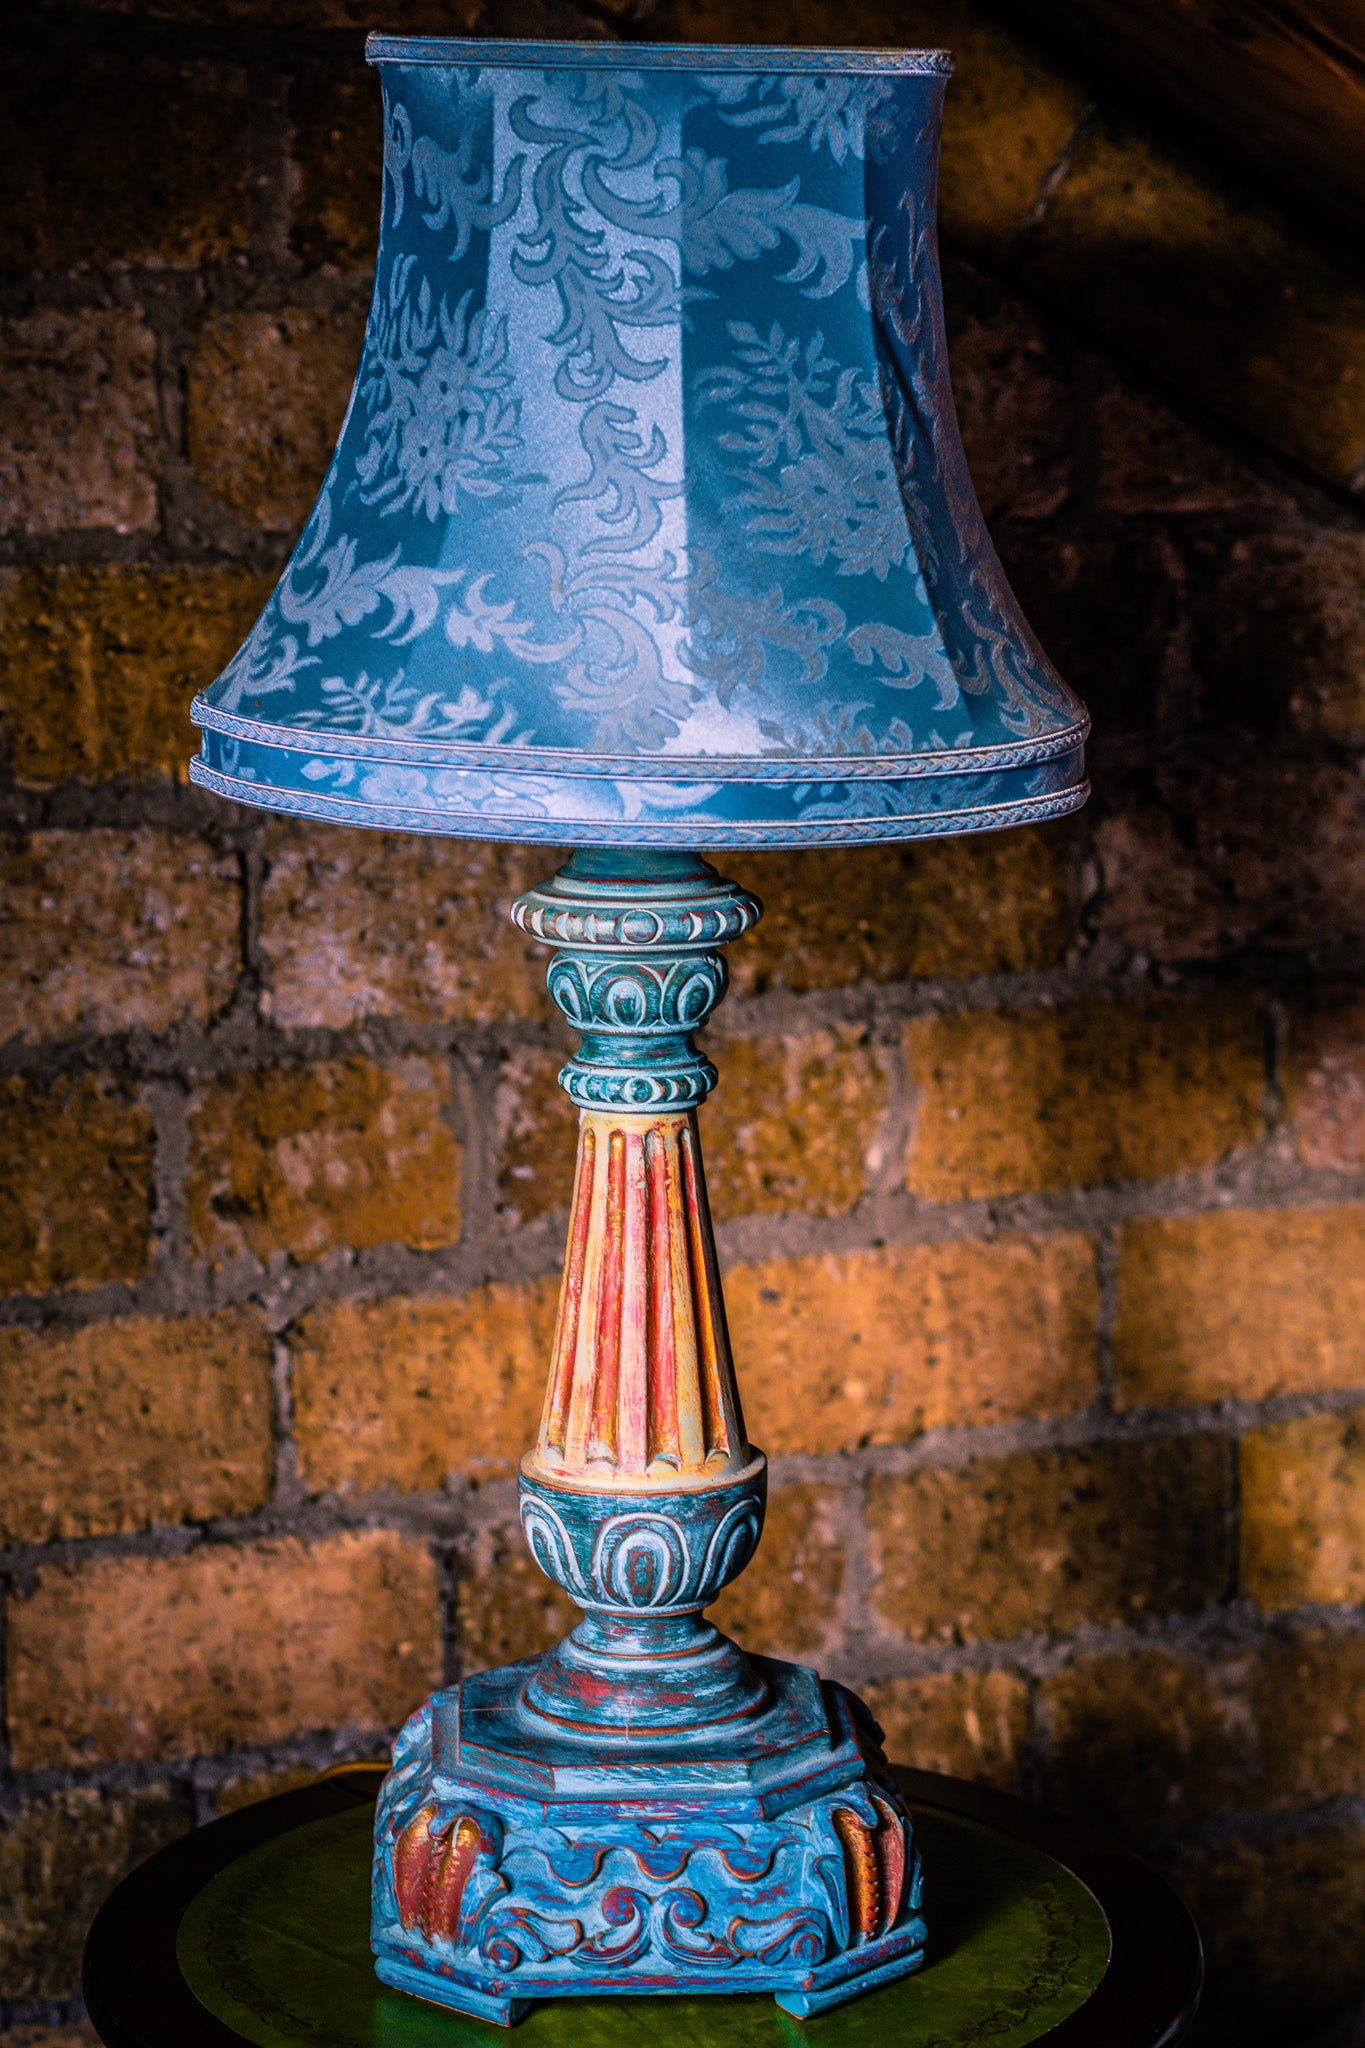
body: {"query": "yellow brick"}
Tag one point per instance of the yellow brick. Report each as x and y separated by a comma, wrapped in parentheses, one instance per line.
(537, 1134)
(1047, 1540)
(969, 1724)
(404, 17)
(1271, 333)
(1017, 408)
(338, 137)
(505, 1607)
(1007, 121)
(104, 931)
(1147, 1738)
(792, 1123)
(923, 22)
(1160, 901)
(992, 903)
(140, 1657)
(1303, 1511)
(61, 1855)
(1240, 1305)
(1324, 1082)
(1282, 1918)
(82, 2035)
(397, 925)
(79, 443)
(1008, 115)
(94, 177)
(251, 1787)
(75, 1184)
(408, 1393)
(122, 1424)
(1092, 1091)
(1152, 459)
(856, 1348)
(300, 1160)
(1310, 1717)
(1255, 849)
(786, 1603)
(264, 400)
(98, 665)
(1284, 623)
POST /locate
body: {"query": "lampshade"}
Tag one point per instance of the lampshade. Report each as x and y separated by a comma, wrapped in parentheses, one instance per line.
(650, 521)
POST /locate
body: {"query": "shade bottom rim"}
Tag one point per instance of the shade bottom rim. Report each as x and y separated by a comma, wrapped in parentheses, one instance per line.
(696, 829)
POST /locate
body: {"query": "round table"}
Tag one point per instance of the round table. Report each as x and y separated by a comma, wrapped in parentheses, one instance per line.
(256, 1929)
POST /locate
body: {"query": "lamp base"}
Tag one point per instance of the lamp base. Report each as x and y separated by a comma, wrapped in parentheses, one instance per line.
(644, 1809)
(511, 1866)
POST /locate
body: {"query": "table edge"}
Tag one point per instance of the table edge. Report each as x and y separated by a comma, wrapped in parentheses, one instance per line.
(1154, 1974)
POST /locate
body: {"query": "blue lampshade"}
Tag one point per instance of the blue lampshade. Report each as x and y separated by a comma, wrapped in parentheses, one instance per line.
(650, 521)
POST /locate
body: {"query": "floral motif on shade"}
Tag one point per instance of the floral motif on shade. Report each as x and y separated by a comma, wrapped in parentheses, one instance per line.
(650, 521)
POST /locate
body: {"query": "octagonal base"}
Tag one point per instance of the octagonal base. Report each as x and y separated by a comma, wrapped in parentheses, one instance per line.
(509, 1869)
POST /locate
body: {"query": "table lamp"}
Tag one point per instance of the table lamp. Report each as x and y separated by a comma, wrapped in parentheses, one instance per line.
(649, 530)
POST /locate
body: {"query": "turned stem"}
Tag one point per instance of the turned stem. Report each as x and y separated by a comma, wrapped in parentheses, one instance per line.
(643, 1496)
(641, 1390)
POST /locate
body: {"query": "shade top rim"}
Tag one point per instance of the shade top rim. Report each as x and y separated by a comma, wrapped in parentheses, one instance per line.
(538, 56)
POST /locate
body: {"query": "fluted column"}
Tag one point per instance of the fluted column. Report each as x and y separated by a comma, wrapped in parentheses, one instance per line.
(642, 1388)
(642, 1496)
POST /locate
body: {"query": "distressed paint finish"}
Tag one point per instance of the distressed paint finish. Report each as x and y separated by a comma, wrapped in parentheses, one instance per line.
(649, 526)
(643, 1565)
(643, 1497)
(792, 1870)
(645, 1808)
(642, 1388)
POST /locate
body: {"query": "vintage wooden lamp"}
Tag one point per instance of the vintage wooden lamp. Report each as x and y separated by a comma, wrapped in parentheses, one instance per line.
(649, 529)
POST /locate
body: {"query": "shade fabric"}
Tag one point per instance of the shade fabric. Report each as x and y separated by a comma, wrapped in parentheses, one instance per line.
(650, 522)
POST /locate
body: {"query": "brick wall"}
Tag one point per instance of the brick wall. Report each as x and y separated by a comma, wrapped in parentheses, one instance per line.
(1039, 1161)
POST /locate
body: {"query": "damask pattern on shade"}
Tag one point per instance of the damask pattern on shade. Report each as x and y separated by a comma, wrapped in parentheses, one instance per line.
(649, 516)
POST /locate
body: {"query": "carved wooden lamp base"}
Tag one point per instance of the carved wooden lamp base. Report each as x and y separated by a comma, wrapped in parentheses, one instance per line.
(644, 1809)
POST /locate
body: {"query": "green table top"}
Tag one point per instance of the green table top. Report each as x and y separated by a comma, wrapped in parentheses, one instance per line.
(277, 1947)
